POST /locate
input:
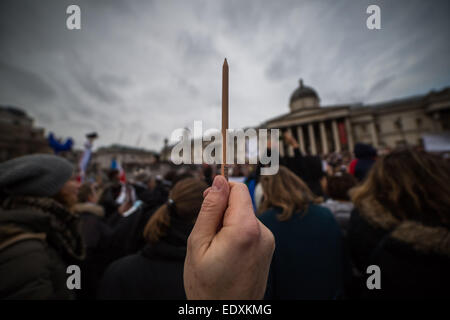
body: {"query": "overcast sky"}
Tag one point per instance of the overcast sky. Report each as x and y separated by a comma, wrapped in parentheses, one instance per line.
(137, 70)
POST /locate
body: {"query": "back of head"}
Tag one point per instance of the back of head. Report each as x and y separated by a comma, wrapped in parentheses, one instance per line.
(339, 185)
(411, 185)
(364, 151)
(113, 175)
(185, 201)
(286, 191)
(85, 192)
(37, 175)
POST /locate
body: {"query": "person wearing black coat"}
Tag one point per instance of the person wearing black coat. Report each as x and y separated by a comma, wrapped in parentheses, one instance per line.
(366, 155)
(306, 167)
(39, 235)
(96, 236)
(401, 224)
(156, 271)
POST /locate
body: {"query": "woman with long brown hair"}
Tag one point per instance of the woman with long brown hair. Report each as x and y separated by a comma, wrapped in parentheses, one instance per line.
(156, 272)
(308, 262)
(401, 224)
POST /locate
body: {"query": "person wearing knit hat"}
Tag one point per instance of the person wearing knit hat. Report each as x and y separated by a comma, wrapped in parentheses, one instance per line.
(39, 235)
(40, 175)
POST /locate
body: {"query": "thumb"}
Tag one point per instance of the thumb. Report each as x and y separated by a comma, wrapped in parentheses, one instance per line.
(211, 213)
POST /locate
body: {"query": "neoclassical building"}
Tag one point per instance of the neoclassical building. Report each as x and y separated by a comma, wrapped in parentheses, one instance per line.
(324, 129)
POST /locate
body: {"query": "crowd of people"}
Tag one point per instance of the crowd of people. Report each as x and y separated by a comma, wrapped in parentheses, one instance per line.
(308, 232)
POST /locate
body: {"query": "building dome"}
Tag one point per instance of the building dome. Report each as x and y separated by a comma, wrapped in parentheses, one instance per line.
(303, 97)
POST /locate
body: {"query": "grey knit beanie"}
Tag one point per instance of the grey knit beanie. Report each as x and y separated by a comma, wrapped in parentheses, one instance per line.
(39, 175)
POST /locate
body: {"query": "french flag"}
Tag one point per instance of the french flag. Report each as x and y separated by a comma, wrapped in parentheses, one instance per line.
(115, 164)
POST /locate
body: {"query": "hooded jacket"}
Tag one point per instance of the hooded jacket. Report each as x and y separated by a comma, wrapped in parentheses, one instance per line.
(155, 272)
(414, 259)
(39, 239)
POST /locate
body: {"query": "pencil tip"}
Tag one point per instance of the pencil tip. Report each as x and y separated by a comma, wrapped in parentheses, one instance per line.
(225, 62)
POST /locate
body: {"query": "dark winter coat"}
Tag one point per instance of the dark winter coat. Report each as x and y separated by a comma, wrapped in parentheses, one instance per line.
(308, 168)
(96, 236)
(308, 258)
(39, 238)
(414, 259)
(156, 272)
(127, 236)
(153, 198)
(108, 202)
(366, 158)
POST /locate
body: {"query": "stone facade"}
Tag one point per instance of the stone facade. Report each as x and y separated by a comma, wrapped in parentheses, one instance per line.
(18, 136)
(130, 158)
(325, 129)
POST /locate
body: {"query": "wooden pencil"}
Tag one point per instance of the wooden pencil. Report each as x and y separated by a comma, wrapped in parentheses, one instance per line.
(224, 168)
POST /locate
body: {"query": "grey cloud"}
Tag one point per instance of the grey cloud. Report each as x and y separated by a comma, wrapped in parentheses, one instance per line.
(155, 137)
(19, 80)
(95, 87)
(146, 68)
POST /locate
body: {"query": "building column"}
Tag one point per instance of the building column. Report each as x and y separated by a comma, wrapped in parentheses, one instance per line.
(436, 122)
(290, 150)
(301, 139)
(312, 139)
(323, 136)
(337, 142)
(373, 133)
(348, 128)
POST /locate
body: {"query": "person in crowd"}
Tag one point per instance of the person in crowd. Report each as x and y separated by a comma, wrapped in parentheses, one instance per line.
(39, 235)
(308, 168)
(337, 189)
(110, 196)
(335, 164)
(96, 234)
(156, 272)
(365, 158)
(150, 190)
(207, 174)
(252, 181)
(308, 260)
(142, 182)
(401, 225)
(127, 236)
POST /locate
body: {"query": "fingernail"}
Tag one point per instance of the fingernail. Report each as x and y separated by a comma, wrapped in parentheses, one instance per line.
(218, 184)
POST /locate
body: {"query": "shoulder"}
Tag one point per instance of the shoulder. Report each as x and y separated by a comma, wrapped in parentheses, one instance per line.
(121, 276)
(127, 267)
(25, 248)
(26, 269)
(123, 265)
(269, 215)
(320, 211)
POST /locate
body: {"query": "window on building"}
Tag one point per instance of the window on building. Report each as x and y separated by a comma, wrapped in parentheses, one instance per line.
(419, 122)
(364, 128)
(398, 123)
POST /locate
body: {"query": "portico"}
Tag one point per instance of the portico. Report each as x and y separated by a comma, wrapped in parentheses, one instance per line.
(323, 130)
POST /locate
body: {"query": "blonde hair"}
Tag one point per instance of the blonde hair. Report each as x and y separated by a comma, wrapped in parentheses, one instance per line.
(410, 185)
(287, 191)
(187, 196)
